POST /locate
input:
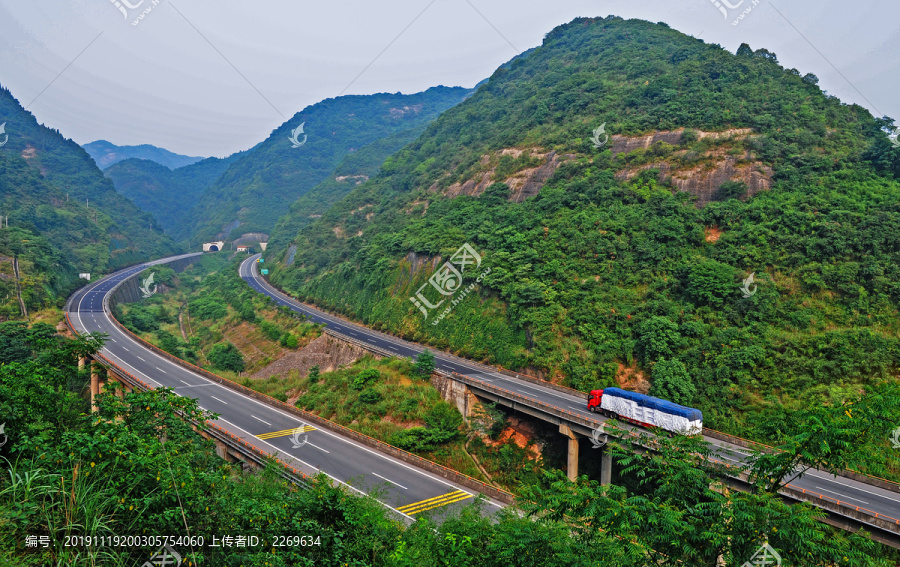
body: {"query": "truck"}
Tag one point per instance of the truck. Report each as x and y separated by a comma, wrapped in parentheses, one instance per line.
(646, 411)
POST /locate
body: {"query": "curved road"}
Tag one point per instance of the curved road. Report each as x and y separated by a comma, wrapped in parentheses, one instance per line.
(849, 491)
(403, 487)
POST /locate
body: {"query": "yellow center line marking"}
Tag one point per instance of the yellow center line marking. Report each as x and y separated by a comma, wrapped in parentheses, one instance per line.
(435, 502)
(284, 432)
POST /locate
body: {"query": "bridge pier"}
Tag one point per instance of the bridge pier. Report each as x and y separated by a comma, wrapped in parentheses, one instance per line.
(605, 467)
(572, 462)
(95, 388)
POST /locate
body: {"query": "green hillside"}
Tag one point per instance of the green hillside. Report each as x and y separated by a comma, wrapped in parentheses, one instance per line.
(624, 264)
(354, 169)
(64, 216)
(259, 188)
(168, 195)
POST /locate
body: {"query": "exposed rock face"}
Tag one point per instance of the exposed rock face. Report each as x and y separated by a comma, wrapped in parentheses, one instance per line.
(326, 352)
(703, 180)
(522, 184)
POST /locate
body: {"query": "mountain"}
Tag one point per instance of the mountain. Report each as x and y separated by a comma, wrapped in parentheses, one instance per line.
(650, 211)
(169, 195)
(259, 187)
(106, 154)
(64, 216)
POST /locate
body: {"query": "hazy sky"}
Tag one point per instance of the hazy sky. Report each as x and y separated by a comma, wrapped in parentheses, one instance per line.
(211, 77)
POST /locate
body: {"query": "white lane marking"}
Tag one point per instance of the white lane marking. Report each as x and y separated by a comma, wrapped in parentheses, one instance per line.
(855, 488)
(113, 340)
(161, 370)
(841, 495)
(126, 348)
(262, 420)
(573, 407)
(218, 400)
(317, 447)
(390, 481)
(276, 451)
(185, 383)
(141, 359)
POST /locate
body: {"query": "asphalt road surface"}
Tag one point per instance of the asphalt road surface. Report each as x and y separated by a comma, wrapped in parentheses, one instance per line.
(409, 490)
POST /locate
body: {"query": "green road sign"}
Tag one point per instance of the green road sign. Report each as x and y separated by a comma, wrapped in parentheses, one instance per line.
(264, 272)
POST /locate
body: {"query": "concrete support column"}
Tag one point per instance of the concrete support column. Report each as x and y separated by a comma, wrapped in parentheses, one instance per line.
(605, 467)
(572, 463)
(95, 388)
(111, 377)
(222, 451)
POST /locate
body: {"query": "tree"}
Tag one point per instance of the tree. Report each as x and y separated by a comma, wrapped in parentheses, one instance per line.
(710, 282)
(658, 337)
(314, 374)
(226, 356)
(424, 364)
(671, 381)
(675, 510)
(444, 420)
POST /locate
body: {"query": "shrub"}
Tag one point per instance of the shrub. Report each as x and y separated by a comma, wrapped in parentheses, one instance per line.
(314, 374)
(424, 364)
(226, 356)
(369, 396)
(365, 378)
(710, 282)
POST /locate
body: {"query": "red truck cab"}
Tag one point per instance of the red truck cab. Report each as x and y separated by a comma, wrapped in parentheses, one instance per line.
(593, 404)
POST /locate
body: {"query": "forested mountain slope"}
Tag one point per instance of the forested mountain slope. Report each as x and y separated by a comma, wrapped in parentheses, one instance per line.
(625, 263)
(64, 216)
(258, 188)
(169, 195)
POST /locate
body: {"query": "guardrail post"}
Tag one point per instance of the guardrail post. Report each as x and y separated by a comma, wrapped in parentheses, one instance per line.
(572, 465)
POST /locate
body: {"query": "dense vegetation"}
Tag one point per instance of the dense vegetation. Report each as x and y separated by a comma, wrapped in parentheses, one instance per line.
(168, 195)
(106, 154)
(258, 188)
(64, 216)
(137, 467)
(600, 278)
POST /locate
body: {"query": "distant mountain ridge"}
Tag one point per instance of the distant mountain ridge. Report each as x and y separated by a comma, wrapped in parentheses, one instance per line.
(259, 187)
(169, 195)
(106, 154)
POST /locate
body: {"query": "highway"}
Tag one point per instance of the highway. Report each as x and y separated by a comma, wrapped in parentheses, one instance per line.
(407, 489)
(849, 491)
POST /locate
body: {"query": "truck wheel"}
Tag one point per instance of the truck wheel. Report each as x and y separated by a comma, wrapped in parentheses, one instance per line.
(592, 409)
